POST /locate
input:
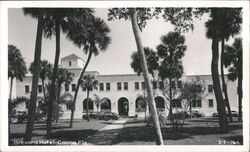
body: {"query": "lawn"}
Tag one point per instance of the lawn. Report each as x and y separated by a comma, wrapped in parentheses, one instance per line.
(60, 131)
(199, 131)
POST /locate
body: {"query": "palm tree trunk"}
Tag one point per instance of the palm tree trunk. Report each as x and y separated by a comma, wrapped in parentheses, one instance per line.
(58, 96)
(153, 111)
(224, 86)
(11, 84)
(190, 108)
(170, 113)
(217, 88)
(77, 88)
(54, 74)
(44, 94)
(240, 93)
(87, 104)
(33, 96)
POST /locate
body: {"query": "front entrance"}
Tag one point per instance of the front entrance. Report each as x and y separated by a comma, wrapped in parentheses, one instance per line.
(123, 106)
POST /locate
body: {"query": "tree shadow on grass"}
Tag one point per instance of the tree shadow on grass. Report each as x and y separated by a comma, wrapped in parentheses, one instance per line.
(71, 135)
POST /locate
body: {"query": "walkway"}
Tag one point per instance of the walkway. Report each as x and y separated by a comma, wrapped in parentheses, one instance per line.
(106, 135)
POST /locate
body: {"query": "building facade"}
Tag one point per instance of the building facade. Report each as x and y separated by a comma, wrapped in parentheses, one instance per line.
(124, 93)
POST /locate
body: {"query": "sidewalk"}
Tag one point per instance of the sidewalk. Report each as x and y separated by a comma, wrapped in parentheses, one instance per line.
(106, 135)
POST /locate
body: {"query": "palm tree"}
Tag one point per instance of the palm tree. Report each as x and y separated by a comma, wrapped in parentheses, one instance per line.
(95, 40)
(16, 66)
(63, 76)
(136, 30)
(152, 61)
(230, 22)
(39, 14)
(233, 61)
(170, 51)
(213, 33)
(89, 82)
(98, 101)
(58, 18)
(45, 71)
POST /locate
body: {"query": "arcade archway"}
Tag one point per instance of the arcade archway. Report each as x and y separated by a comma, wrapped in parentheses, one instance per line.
(90, 107)
(123, 106)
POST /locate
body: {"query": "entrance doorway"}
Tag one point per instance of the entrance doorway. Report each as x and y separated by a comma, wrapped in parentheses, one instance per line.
(123, 106)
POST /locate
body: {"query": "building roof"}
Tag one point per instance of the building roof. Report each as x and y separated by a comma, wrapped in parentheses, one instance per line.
(72, 56)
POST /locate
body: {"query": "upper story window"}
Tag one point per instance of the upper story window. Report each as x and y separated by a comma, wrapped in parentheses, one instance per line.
(27, 89)
(176, 103)
(210, 103)
(73, 87)
(210, 88)
(142, 85)
(101, 86)
(125, 85)
(196, 103)
(108, 86)
(70, 63)
(119, 86)
(136, 85)
(66, 87)
(161, 85)
(154, 85)
(179, 84)
(173, 84)
(40, 90)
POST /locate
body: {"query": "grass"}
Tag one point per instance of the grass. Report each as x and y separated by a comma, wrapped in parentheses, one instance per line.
(200, 131)
(60, 131)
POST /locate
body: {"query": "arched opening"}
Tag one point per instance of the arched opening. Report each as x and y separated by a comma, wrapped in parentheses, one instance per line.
(90, 107)
(160, 103)
(123, 106)
(105, 105)
(140, 104)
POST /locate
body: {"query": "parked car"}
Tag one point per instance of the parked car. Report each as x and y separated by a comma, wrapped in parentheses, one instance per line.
(92, 115)
(234, 114)
(108, 116)
(197, 114)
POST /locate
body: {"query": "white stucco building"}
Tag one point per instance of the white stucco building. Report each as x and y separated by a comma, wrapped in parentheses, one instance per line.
(121, 93)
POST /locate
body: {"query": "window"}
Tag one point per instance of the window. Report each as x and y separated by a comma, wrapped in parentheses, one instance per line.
(90, 88)
(196, 103)
(161, 85)
(66, 87)
(27, 89)
(179, 84)
(143, 85)
(40, 89)
(73, 87)
(101, 86)
(68, 106)
(108, 86)
(210, 88)
(154, 85)
(173, 84)
(136, 85)
(70, 64)
(210, 103)
(83, 88)
(125, 85)
(119, 86)
(176, 103)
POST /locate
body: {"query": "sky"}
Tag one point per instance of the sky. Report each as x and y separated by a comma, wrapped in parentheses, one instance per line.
(116, 59)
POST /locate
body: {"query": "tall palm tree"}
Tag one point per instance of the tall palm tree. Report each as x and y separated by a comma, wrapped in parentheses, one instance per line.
(170, 51)
(58, 18)
(95, 39)
(230, 25)
(233, 61)
(39, 14)
(213, 33)
(136, 30)
(89, 82)
(45, 71)
(16, 66)
(152, 61)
